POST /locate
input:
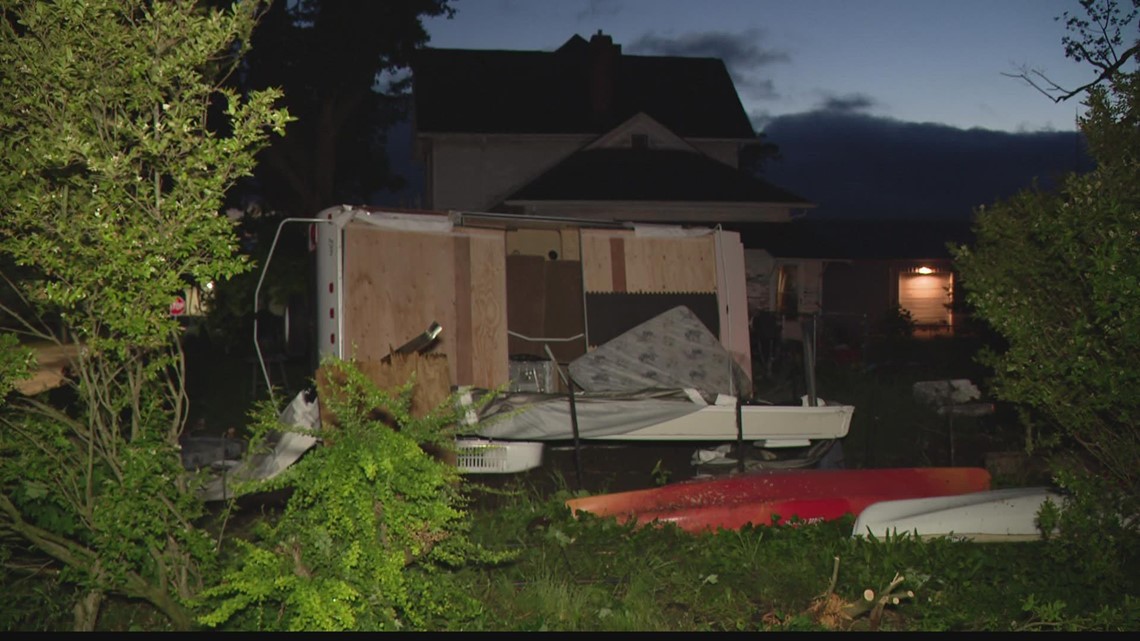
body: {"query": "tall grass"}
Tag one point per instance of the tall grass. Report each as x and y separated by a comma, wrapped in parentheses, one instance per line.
(593, 574)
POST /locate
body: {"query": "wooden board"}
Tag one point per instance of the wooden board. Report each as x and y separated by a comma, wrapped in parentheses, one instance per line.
(526, 302)
(487, 333)
(564, 315)
(396, 283)
(52, 364)
(621, 261)
(733, 308)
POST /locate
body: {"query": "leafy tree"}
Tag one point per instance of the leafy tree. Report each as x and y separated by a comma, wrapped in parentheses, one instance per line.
(341, 64)
(1058, 276)
(111, 181)
(1096, 38)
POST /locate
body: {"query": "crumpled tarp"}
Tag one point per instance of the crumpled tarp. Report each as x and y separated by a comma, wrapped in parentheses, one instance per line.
(279, 450)
(673, 350)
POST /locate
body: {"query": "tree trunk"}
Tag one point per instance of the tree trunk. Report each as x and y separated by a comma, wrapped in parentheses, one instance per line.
(86, 611)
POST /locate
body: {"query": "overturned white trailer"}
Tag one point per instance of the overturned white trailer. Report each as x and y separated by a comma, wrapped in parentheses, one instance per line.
(503, 286)
(510, 291)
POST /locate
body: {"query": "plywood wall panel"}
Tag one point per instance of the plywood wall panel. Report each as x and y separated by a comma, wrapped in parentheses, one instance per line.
(659, 265)
(396, 284)
(565, 316)
(597, 264)
(732, 299)
(461, 348)
(526, 302)
(622, 261)
(488, 308)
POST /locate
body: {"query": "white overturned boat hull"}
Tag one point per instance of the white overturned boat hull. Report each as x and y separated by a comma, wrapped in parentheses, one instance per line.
(635, 419)
(990, 516)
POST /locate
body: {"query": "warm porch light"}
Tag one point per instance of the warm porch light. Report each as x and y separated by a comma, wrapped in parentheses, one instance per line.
(925, 270)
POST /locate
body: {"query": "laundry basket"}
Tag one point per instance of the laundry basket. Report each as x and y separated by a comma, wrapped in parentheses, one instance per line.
(481, 456)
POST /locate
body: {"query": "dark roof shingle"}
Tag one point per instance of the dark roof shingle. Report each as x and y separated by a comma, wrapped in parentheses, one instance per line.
(495, 91)
(650, 175)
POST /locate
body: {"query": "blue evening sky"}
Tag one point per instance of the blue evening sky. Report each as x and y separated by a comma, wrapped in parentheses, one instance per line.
(923, 61)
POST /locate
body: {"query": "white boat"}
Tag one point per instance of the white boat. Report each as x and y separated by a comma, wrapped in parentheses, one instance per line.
(663, 416)
(989, 516)
(667, 379)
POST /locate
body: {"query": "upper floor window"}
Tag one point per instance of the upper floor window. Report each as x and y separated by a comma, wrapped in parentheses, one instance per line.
(639, 141)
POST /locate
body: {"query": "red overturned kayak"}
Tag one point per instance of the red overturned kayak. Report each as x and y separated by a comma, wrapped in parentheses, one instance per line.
(761, 498)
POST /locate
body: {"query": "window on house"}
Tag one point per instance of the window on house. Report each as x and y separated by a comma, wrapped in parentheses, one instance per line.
(927, 293)
(788, 291)
(639, 141)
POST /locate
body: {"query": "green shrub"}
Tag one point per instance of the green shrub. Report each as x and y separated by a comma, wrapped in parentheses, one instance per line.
(372, 533)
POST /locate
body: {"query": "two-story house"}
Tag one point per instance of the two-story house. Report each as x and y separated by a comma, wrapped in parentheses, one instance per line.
(586, 132)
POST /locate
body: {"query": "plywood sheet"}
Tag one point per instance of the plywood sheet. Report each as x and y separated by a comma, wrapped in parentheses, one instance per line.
(487, 334)
(433, 384)
(564, 313)
(621, 261)
(398, 282)
(526, 302)
(597, 264)
(732, 298)
(658, 265)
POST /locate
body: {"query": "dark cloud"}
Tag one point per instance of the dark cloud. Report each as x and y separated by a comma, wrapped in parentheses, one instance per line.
(741, 52)
(756, 87)
(859, 166)
(851, 103)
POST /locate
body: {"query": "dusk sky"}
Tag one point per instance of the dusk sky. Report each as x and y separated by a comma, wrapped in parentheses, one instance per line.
(921, 61)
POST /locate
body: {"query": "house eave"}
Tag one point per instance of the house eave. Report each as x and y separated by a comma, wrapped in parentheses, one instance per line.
(460, 136)
(663, 211)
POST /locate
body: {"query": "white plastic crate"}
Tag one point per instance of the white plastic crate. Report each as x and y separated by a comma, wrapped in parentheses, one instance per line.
(481, 456)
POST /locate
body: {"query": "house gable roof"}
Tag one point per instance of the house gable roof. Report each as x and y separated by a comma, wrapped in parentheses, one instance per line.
(657, 135)
(583, 87)
(629, 174)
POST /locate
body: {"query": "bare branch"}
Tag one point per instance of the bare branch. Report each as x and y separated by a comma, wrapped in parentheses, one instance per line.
(1059, 94)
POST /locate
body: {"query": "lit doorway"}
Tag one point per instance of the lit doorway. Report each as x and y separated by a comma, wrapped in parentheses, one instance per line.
(927, 293)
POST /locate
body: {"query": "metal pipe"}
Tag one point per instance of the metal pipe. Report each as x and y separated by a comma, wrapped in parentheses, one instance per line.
(573, 415)
(257, 297)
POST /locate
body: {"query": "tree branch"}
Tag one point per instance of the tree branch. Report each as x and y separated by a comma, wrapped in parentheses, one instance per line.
(1107, 72)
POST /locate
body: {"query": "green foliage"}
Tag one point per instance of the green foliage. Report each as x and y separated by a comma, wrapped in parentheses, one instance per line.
(337, 61)
(1091, 532)
(591, 574)
(111, 178)
(586, 573)
(373, 530)
(1058, 276)
(15, 364)
(1058, 616)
